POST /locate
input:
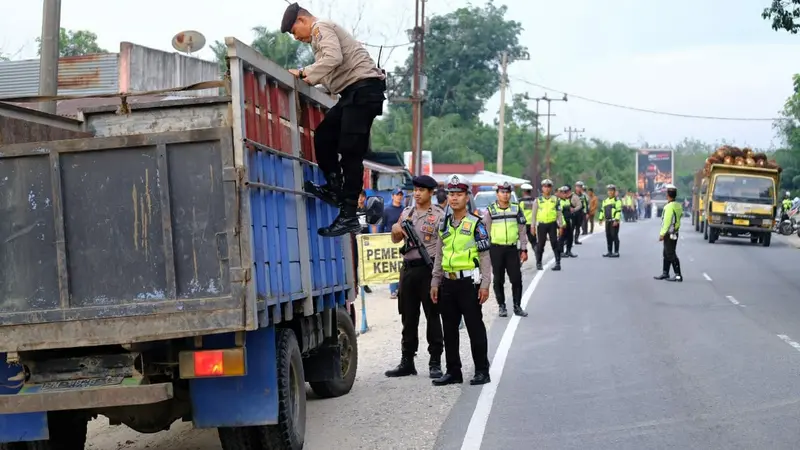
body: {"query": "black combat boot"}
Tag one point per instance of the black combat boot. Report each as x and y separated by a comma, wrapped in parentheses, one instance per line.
(676, 267)
(346, 222)
(569, 254)
(519, 311)
(331, 192)
(404, 369)
(664, 271)
(435, 367)
(480, 378)
(557, 267)
(448, 378)
(538, 266)
(503, 311)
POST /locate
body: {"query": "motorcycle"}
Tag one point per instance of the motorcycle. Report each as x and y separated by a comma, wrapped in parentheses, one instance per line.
(791, 223)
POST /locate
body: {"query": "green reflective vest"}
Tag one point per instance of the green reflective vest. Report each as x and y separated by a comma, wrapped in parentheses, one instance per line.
(459, 250)
(786, 205)
(671, 218)
(505, 224)
(546, 211)
(526, 205)
(611, 209)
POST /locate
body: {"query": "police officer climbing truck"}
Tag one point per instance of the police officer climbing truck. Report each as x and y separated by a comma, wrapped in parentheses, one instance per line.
(548, 221)
(506, 224)
(458, 288)
(418, 226)
(670, 227)
(611, 214)
(344, 67)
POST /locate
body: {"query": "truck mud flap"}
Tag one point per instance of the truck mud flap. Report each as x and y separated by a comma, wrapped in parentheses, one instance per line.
(82, 394)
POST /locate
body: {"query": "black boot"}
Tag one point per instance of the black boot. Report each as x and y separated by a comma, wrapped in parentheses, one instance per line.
(404, 369)
(503, 311)
(664, 271)
(519, 311)
(480, 378)
(448, 378)
(676, 267)
(330, 193)
(435, 367)
(557, 267)
(346, 222)
(569, 254)
(538, 266)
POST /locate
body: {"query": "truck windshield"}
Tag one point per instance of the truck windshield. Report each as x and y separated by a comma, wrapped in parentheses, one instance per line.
(743, 188)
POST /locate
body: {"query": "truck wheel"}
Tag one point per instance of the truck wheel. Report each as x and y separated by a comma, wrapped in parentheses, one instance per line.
(67, 432)
(766, 240)
(704, 228)
(696, 217)
(290, 432)
(349, 352)
(694, 222)
(754, 239)
(238, 438)
(713, 235)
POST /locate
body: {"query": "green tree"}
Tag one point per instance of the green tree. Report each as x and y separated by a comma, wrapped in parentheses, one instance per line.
(784, 15)
(75, 43)
(462, 59)
(278, 47)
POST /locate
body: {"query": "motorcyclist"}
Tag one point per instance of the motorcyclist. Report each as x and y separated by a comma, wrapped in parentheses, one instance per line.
(786, 206)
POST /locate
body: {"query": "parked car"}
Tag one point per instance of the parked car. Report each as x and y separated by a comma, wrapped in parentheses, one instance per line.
(485, 198)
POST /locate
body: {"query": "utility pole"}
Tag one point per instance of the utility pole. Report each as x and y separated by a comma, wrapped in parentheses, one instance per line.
(418, 37)
(504, 60)
(48, 59)
(549, 138)
(537, 176)
(571, 130)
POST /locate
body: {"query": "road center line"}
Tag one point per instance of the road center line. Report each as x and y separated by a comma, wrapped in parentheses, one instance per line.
(473, 438)
(734, 301)
(705, 275)
(786, 339)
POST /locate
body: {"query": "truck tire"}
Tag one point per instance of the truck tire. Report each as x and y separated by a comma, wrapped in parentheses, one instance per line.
(713, 235)
(766, 240)
(67, 432)
(349, 351)
(704, 229)
(238, 438)
(696, 220)
(290, 432)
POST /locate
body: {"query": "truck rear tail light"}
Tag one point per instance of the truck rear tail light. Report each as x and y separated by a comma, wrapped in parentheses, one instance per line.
(212, 363)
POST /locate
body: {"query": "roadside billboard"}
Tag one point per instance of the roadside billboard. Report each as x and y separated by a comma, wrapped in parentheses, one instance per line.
(654, 170)
(427, 162)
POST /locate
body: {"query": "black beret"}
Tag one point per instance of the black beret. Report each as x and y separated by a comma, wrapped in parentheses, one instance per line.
(289, 17)
(424, 181)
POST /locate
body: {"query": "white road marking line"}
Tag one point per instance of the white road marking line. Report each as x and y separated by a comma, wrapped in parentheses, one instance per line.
(691, 259)
(705, 275)
(734, 301)
(786, 339)
(473, 438)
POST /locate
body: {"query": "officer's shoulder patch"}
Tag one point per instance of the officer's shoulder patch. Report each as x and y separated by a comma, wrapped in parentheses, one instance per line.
(466, 226)
(431, 218)
(317, 33)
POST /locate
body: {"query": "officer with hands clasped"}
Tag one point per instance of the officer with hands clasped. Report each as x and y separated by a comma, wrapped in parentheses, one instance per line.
(670, 226)
(454, 287)
(415, 279)
(611, 213)
(580, 215)
(547, 223)
(570, 206)
(526, 204)
(506, 224)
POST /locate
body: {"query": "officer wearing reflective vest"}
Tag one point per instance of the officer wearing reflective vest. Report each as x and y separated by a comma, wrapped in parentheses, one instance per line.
(670, 226)
(526, 204)
(611, 213)
(506, 223)
(570, 205)
(580, 215)
(547, 223)
(460, 284)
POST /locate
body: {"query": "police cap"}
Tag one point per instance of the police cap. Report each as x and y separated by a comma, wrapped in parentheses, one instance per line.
(547, 182)
(563, 189)
(611, 187)
(579, 184)
(566, 188)
(526, 187)
(457, 183)
(289, 17)
(424, 181)
(504, 186)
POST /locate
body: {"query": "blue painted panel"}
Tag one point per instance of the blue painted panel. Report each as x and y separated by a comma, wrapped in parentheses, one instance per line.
(239, 401)
(19, 427)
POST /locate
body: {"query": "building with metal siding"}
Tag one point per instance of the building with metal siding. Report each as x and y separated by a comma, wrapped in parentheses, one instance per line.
(77, 75)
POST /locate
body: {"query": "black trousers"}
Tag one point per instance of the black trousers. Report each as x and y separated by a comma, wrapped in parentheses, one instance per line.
(566, 239)
(457, 299)
(545, 231)
(612, 238)
(531, 237)
(577, 224)
(505, 259)
(588, 224)
(345, 131)
(671, 255)
(415, 290)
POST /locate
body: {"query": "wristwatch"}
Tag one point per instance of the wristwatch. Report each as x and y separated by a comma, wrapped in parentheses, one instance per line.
(301, 74)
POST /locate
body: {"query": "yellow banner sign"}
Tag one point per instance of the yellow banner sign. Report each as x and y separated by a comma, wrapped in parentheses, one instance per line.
(379, 259)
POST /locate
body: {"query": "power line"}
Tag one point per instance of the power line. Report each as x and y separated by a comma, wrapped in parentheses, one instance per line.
(405, 44)
(651, 111)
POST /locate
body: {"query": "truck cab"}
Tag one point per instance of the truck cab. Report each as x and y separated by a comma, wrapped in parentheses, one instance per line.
(740, 200)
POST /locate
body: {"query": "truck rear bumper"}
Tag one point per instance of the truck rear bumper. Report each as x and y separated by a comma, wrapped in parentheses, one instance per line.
(100, 397)
(739, 228)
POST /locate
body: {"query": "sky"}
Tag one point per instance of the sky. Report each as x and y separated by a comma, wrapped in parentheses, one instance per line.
(709, 57)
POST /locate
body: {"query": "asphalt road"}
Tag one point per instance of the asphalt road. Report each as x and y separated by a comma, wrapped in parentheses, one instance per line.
(610, 358)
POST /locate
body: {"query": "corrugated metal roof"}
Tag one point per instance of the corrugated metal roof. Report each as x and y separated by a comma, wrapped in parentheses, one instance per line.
(89, 74)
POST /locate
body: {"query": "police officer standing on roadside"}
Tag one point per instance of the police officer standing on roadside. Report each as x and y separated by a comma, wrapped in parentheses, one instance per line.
(547, 223)
(526, 204)
(344, 67)
(415, 281)
(454, 287)
(670, 226)
(579, 216)
(611, 213)
(506, 224)
(570, 205)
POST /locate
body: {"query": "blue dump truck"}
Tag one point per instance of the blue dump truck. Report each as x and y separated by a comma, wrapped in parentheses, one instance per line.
(169, 268)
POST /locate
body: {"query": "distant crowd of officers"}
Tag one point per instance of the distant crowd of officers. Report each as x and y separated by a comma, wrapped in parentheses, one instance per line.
(451, 255)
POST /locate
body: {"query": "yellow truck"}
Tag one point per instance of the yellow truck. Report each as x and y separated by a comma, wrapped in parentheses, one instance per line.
(740, 200)
(698, 200)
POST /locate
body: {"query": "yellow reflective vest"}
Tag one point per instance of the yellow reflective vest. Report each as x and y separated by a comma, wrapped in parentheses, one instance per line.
(505, 224)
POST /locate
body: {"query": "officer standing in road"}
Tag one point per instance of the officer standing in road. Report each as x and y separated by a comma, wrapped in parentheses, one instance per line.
(670, 227)
(570, 205)
(464, 247)
(415, 281)
(506, 224)
(526, 204)
(548, 220)
(579, 215)
(343, 66)
(611, 213)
